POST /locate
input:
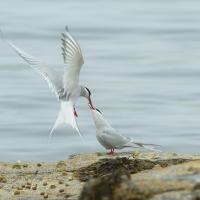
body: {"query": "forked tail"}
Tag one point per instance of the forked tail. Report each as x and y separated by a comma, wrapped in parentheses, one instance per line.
(65, 116)
(151, 147)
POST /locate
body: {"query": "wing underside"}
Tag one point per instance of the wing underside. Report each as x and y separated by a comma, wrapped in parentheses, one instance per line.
(73, 59)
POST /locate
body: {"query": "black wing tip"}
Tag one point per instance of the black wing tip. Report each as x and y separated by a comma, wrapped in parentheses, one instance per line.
(63, 36)
(66, 28)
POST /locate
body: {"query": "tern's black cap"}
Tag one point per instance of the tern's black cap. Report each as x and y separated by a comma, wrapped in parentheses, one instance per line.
(88, 91)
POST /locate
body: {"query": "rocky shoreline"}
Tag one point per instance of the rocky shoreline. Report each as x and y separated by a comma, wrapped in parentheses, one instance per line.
(97, 176)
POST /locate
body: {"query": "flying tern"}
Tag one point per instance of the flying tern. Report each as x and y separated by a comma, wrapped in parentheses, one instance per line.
(110, 139)
(65, 86)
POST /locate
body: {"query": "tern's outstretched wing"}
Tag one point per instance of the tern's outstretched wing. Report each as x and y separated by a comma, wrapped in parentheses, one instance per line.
(53, 78)
(72, 56)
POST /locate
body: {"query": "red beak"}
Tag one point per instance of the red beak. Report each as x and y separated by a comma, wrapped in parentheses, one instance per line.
(90, 103)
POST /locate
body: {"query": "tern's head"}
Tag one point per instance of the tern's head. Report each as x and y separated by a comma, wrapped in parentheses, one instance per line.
(87, 94)
(98, 118)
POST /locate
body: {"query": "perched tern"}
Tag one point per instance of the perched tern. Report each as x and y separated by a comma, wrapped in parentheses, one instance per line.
(65, 86)
(110, 139)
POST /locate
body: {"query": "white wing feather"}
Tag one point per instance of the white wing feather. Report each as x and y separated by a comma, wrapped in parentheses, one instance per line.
(72, 56)
(53, 78)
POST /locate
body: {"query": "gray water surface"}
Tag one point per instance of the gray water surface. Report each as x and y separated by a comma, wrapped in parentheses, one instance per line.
(142, 63)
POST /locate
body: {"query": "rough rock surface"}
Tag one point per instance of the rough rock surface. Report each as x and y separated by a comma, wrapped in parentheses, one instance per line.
(154, 176)
(168, 179)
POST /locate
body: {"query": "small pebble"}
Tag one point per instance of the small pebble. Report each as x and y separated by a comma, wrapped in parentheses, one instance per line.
(23, 186)
(61, 190)
(42, 193)
(39, 164)
(45, 184)
(28, 183)
(66, 185)
(157, 166)
(61, 164)
(135, 154)
(64, 174)
(52, 186)
(28, 187)
(46, 196)
(66, 196)
(25, 165)
(16, 166)
(16, 192)
(3, 179)
(61, 182)
(70, 178)
(34, 187)
(155, 156)
(196, 186)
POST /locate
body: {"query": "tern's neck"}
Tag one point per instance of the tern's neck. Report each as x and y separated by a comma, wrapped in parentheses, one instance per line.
(99, 121)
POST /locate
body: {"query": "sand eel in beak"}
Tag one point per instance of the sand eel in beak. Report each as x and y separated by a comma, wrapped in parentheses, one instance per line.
(65, 86)
(110, 139)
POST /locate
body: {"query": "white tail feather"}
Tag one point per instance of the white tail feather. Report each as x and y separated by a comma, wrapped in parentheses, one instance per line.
(150, 147)
(65, 116)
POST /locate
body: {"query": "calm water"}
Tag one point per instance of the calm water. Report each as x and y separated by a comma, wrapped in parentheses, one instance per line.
(142, 64)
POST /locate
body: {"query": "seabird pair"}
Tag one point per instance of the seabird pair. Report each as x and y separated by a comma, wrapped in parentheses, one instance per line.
(67, 90)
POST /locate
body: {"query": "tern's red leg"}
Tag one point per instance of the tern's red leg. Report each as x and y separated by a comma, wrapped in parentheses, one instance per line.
(75, 113)
(111, 152)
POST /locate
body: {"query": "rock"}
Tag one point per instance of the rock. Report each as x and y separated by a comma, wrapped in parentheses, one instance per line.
(3, 179)
(61, 182)
(61, 164)
(104, 187)
(196, 186)
(52, 186)
(25, 165)
(34, 187)
(44, 183)
(39, 164)
(46, 195)
(61, 190)
(16, 192)
(17, 166)
(28, 187)
(70, 178)
(171, 183)
(28, 183)
(142, 175)
(105, 166)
